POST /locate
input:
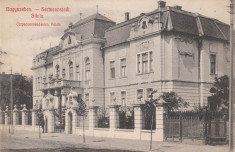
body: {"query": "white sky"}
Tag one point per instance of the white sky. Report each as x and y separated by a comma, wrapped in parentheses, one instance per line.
(23, 43)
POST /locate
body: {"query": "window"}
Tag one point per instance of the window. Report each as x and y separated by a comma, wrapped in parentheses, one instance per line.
(112, 69)
(38, 82)
(144, 24)
(213, 63)
(87, 69)
(77, 72)
(70, 70)
(87, 99)
(63, 73)
(123, 98)
(144, 62)
(139, 95)
(138, 64)
(112, 97)
(123, 68)
(151, 61)
(57, 69)
(69, 40)
(149, 91)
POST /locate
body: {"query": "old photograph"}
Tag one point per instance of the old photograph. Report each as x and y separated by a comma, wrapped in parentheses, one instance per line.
(117, 75)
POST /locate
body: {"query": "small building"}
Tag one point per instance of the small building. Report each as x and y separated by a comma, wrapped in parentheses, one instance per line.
(104, 63)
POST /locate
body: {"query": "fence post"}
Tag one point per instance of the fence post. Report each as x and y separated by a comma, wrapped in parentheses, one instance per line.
(24, 115)
(225, 129)
(92, 118)
(114, 118)
(137, 120)
(15, 116)
(205, 121)
(181, 131)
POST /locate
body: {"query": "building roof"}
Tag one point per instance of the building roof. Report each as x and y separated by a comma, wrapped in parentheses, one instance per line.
(96, 16)
(173, 19)
(176, 20)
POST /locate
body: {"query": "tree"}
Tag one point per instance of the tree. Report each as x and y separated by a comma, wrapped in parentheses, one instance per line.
(22, 90)
(173, 101)
(82, 111)
(218, 101)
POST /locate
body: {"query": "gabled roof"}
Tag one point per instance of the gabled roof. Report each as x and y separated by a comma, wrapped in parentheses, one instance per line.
(175, 20)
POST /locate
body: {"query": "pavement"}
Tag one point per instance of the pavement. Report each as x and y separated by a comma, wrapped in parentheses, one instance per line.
(24, 141)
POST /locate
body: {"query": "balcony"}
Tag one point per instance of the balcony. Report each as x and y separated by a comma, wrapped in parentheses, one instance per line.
(61, 84)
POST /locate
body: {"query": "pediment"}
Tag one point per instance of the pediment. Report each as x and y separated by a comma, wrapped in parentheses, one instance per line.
(68, 40)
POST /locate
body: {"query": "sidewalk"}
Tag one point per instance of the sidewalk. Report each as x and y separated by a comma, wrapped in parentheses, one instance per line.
(124, 144)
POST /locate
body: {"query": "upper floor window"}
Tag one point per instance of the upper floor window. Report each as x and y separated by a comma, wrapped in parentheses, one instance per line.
(112, 69)
(144, 62)
(69, 40)
(77, 72)
(123, 68)
(149, 92)
(57, 70)
(70, 70)
(87, 99)
(123, 98)
(63, 73)
(87, 69)
(140, 93)
(213, 64)
(112, 97)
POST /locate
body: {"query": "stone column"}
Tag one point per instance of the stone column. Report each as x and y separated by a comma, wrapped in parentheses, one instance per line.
(34, 117)
(56, 100)
(137, 120)
(92, 118)
(63, 100)
(15, 116)
(113, 118)
(25, 113)
(160, 110)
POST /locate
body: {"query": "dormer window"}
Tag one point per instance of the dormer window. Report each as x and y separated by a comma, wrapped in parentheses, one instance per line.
(69, 40)
(144, 25)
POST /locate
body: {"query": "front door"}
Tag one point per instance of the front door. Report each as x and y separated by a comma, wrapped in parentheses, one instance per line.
(70, 122)
(46, 125)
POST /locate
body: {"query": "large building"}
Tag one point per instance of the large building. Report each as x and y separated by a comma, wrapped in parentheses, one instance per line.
(105, 63)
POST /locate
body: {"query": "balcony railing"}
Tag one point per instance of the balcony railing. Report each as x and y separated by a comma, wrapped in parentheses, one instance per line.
(61, 83)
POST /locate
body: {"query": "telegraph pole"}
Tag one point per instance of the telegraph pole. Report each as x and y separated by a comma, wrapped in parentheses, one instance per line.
(11, 87)
(231, 81)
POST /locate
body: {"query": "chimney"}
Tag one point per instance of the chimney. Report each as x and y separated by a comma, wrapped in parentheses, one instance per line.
(127, 16)
(161, 4)
(178, 7)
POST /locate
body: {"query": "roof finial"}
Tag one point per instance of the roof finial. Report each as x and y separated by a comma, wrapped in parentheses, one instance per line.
(80, 15)
(97, 8)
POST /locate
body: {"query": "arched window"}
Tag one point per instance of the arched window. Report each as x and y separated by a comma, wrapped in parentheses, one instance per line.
(70, 70)
(87, 69)
(57, 70)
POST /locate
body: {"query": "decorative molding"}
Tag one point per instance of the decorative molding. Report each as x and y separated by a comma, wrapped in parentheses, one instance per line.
(144, 46)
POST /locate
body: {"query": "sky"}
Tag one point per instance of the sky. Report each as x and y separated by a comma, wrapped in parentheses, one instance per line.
(22, 43)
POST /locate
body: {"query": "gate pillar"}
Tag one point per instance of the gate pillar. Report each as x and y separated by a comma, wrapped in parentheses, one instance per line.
(137, 120)
(15, 116)
(25, 113)
(114, 118)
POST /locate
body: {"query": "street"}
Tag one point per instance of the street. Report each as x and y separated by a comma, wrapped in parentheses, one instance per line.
(22, 141)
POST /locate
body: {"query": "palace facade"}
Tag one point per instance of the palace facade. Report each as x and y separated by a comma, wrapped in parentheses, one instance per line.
(105, 63)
